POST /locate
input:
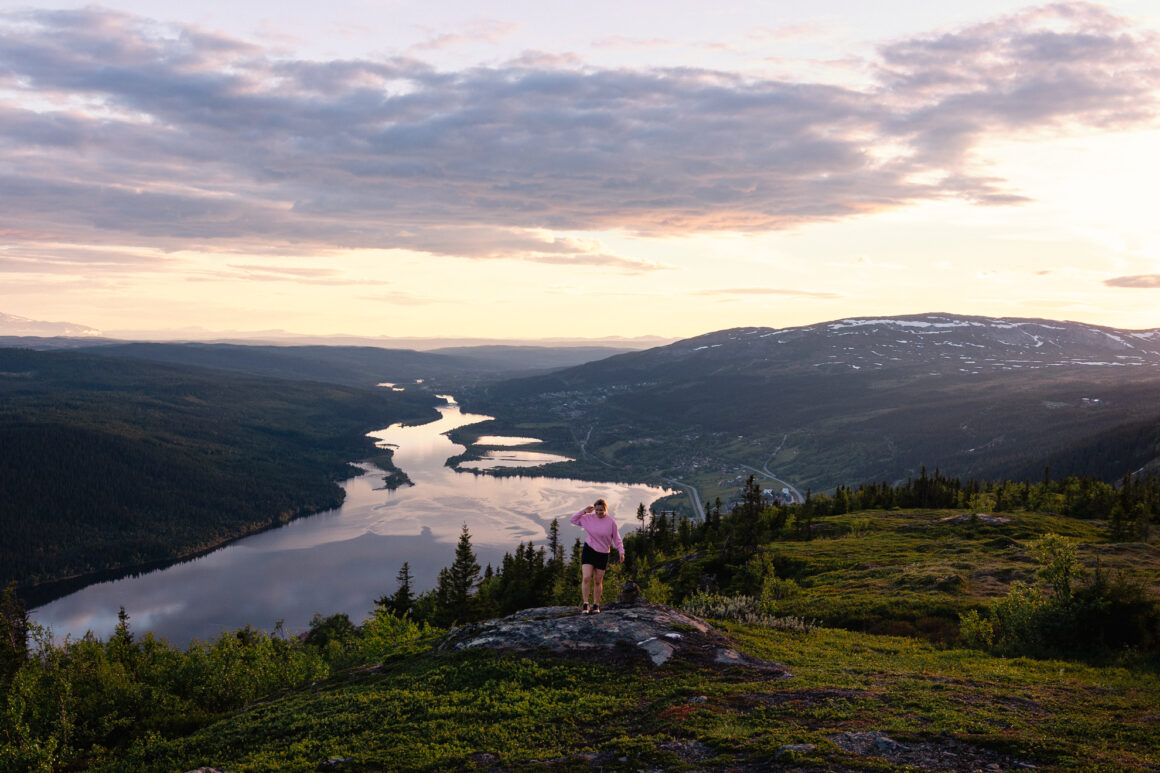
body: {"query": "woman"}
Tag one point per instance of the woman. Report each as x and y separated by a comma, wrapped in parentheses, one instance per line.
(601, 534)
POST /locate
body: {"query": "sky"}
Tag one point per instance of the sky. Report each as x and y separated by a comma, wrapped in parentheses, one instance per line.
(544, 169)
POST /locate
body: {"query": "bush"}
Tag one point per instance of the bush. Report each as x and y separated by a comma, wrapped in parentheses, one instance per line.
(84, 696)
(1104, 614)
(656, 591)
(977, 631)
(743, 609)
(386, 634)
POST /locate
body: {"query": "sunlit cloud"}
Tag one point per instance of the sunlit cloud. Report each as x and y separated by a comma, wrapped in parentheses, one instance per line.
(794, 32)
(121, 132)
(631, 43)
(1140, 280)
(34, 257)
(743, 291)
(402, 299)
(483, 30)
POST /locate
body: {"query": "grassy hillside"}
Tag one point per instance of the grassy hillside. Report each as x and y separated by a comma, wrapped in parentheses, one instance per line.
(476, 711)
(382, 698)
(110, 463)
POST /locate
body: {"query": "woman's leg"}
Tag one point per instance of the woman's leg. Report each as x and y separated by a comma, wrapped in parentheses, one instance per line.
(597, 584)
(586, 581)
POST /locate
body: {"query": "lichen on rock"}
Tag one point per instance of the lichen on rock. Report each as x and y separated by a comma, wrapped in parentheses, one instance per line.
(621, 632)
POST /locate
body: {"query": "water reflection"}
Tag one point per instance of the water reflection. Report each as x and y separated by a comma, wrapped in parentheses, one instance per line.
(497, 440)
(341, 560)
(493, 459)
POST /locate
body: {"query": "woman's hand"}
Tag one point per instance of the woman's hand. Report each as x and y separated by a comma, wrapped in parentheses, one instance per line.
(590, 509)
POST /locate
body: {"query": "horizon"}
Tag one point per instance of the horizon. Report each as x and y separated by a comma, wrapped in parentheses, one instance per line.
(15, 327)
(438, 172)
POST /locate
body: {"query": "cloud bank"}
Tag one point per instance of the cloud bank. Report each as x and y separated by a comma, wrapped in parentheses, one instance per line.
(118, 131)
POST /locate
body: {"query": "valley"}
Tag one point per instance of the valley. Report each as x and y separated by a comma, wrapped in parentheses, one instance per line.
(854, 401)
(927, 620)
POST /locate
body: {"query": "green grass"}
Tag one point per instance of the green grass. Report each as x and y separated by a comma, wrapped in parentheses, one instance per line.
(436, 712)
(906, 573)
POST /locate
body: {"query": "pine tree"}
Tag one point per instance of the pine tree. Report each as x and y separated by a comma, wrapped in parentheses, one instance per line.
(746, 518)
(554, 547)
(454, 594)
(403, 599)
(121, 632)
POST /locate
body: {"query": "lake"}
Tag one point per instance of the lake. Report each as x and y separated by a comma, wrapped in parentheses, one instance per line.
(343, 559)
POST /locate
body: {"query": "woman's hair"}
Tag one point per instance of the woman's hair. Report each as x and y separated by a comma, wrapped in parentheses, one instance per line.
(601, 503)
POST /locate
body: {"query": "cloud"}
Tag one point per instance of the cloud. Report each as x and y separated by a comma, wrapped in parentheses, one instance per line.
(120, 132)
(294, 275)
(483, 30)
(624, 42)
(402, 299)
(735, 291)
(815, 30)
(30, 257)
(1140, 280)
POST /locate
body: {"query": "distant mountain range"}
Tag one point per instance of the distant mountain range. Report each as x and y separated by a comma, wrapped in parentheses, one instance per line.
(364, 366)
(37, 334)
(11, 325)
(361, 366)
(861, 399)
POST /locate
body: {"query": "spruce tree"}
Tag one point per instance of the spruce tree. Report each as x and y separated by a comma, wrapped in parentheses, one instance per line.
(454, 595)
(403, 600)
(554, 547)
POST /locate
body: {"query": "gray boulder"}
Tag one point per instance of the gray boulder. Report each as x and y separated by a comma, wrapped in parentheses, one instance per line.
(620, 633)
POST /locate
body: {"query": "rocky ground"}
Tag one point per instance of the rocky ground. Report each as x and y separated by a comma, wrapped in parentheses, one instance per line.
(621, 632)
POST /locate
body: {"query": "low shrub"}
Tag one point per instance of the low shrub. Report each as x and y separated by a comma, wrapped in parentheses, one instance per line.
(743, 609)
(1083, 615)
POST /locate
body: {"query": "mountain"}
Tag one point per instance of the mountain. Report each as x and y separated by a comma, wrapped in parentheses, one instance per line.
(11, 325)
(363, 366)
(854, 400)
(286, 338)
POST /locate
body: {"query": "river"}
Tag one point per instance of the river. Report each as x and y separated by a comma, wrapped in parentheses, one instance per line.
(343, 559)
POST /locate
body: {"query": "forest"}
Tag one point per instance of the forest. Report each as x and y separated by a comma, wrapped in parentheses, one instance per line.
(114, 463)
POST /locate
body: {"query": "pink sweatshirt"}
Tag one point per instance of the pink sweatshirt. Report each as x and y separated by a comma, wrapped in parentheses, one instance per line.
(602, 533)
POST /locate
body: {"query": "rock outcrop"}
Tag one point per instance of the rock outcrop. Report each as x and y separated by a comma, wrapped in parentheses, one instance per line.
(620, 633)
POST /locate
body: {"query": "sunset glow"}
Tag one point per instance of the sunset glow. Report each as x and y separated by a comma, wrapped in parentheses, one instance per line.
(534, 171)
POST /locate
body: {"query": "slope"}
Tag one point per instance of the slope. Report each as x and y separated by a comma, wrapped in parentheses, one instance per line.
(850, 400)
(110, 463)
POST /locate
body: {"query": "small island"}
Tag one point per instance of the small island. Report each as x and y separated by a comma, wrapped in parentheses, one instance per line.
(394, 478)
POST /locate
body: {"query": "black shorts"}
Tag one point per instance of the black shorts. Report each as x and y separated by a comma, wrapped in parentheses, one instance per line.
(595, 557)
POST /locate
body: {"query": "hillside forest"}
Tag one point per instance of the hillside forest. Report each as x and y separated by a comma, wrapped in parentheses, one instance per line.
(112, 463)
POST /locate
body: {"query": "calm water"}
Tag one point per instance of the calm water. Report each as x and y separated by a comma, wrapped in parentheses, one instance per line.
(341, 560)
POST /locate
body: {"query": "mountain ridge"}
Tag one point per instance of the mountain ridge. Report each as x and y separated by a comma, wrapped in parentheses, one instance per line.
(1013, 335)
(851, 400)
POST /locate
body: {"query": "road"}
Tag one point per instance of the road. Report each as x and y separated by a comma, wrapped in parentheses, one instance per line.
(691, 490)
(797, 495)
